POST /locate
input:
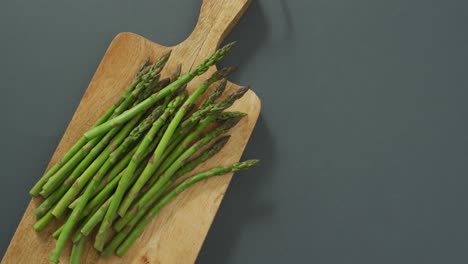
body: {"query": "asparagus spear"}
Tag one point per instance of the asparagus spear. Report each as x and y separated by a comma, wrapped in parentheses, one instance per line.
(43, 221)
(154, 87)
(176, 147)
(217, 93)
(95, 218)
(60, 176)
(99, 214)
(110, 187)
(83, 219)
(88, 152)
(75, 216)
(114, 173)
(204, 110)
(176, 74)
(152, 166)
(82, 141)
(187, 167)
(77, 250)
(113, 158)
(76, 213)
(58, 194)
(97, 202)
(84, 178)
(56, 234)
(129, 171)
(181, 160)
(113, 151)
(127, 115)
(186, 126)
(136, 226)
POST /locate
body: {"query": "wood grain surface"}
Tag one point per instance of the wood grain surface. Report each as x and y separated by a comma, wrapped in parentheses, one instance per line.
(177, 233)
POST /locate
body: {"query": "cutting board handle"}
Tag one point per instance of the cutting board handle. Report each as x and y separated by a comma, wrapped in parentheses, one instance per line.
(216, 20)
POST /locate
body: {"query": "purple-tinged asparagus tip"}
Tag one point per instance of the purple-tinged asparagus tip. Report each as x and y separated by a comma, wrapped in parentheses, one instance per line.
(224, 72)
(231, 122)
(219, 144)
(176, 73)
(239, 92)
(181, 89)
(164, 82)
(162, 61)
(228, 115)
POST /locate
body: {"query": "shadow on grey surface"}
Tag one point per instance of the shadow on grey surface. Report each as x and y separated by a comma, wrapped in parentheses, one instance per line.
(288, 21)
(241, 206)
(251, 32)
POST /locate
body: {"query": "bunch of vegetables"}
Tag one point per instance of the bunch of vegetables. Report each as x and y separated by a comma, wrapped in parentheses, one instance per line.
(135, 159)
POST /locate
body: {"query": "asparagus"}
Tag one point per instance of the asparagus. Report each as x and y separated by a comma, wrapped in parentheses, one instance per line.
(148, 89)
(43, 221)
(217, 93)
(98, 201)
(95, 218)
(76, 213)
(187, 167)
(146, 79)
(56, 234)
(54, 196)
(191, 121)
(129, 171)
(209, 110)
(118, 168)
(222, 117)
(114, 174)
(83, 219)
(176, 148)
(104, 168)
(206, 108)
(152, 166)
(52, 199)
(82, 141)
(99, 214)
(77, 250)
(115, 154)
(108, 188)
(88, 152)
(181, 160)
(74, 217)
(84, 178)
(176, 74)
(136, 226)
(185, 128)
(127, 115)
(59, 177)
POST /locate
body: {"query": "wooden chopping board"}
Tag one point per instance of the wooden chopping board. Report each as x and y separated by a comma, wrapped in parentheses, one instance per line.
(177, 233)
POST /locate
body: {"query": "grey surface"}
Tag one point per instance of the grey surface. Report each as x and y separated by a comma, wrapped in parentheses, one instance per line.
(363, 132)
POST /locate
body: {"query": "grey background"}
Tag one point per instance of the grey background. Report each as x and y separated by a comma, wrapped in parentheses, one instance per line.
(362, 135)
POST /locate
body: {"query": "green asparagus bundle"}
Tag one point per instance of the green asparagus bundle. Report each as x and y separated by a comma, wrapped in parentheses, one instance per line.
(126, 167)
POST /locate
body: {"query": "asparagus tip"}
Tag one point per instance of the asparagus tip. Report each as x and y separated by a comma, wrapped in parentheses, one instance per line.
(219, 144)
(181, 89)
(164, 82)
(231, 122)
(244, 165)
(176, 73)
(224, 72)
(166, 55)
(228, 115)
(228, 47)
(222, 83)
(240, 92)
